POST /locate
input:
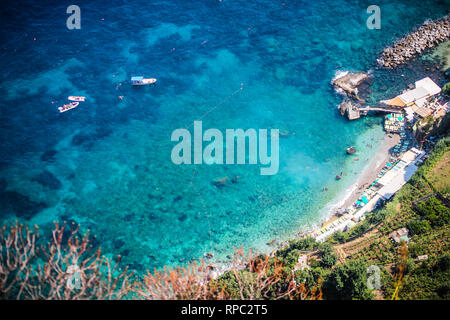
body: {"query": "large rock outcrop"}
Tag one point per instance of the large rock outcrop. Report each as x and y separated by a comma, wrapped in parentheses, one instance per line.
(350, 82)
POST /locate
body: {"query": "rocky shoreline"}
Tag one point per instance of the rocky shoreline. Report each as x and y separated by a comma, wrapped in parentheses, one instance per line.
(350, 83)
(428, 35)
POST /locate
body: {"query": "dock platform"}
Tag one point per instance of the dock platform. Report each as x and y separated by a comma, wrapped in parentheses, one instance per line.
(353, 111)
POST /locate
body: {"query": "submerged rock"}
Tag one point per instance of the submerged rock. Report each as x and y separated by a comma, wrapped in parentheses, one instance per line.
(220, 183)
(177, 198)
(118, 243)
(129, 217)
(79, 139)
(351, 150)
(48, 179)
(49, 156)
(136, 266)
(153, 216)
(3, 184)
(21, 205)
(89, 139)
(208, 255)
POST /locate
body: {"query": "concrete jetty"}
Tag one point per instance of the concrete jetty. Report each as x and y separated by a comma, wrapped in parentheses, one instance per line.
(350, 110)
(353, 111)
(428, 35)
(380, 108)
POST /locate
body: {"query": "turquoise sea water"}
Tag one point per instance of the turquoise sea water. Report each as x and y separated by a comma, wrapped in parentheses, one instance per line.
(106, 165)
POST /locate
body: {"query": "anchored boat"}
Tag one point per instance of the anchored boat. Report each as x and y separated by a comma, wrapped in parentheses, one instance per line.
(141, 81)
(68, 107)
(76, 98)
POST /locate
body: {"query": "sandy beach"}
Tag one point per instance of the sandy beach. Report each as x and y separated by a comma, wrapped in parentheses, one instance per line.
(368, 175)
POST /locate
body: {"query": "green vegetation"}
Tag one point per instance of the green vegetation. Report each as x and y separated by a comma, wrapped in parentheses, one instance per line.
(328, 259)
(446, 89)
(419, 227)
(434, 212)
(428, 280)
(336, 269)
(348, 281)
(422, 207)
(439, 175)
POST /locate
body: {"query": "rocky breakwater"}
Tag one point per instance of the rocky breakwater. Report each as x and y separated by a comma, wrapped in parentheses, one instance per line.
(428, 35)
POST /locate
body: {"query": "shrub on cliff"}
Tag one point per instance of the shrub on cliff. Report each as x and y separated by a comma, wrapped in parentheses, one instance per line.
(289, 258)
(307, 243)
(328, 258)
(377, 216)
(419, 227)
(347, 281)
(250, 277)
(339, 236)
(434, 211)
(446, 89)
(65, 268)
(443, 263)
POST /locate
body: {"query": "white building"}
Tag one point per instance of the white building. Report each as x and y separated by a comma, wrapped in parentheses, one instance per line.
(400, 173)
(417, 98)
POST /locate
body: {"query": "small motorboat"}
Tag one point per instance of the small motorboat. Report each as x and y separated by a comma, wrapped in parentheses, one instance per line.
(76, 98)
(69, 106)
(351, 150)
(338, 177)
(141, 81)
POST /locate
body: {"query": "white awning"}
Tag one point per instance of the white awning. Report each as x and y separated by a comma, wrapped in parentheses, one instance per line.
(397, 181)
(367, 207)
(421, 102)
(429, 85)
(390, 175)
(409, 110)
(414, 95)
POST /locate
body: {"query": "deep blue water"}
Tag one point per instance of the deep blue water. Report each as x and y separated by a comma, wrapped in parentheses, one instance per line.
(106, 164)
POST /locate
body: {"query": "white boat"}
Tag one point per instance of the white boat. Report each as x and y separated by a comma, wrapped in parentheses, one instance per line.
(141, 81)
(68, 107)
(76, 98)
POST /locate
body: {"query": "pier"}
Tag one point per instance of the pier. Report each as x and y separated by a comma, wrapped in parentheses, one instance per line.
(353, 111)
(380, 109)
(415, 103)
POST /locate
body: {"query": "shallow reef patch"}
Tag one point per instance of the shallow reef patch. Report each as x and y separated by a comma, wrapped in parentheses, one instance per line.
(21, 205)
(48, 180)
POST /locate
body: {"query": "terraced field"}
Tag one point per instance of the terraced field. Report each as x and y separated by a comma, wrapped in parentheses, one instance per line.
(439, 176)
(431, 184)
